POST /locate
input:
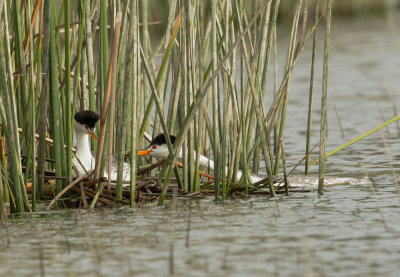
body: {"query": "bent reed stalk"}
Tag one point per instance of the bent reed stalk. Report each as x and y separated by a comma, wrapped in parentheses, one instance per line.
(207, 76)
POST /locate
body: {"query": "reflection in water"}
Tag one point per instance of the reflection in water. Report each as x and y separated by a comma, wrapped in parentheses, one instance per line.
(340, 233)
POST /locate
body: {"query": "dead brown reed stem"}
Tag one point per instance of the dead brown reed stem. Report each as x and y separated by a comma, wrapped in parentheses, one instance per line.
(103, 117)
(92, 195)
(72, 184)
(83, 196)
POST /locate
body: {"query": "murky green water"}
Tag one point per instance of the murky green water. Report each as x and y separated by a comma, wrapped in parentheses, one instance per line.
(341, 233)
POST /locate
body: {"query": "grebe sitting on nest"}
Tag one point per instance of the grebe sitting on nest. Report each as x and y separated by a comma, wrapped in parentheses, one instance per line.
(84, 159)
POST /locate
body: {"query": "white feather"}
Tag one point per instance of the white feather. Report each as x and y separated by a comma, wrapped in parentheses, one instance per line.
(87, 158)
(84, 159)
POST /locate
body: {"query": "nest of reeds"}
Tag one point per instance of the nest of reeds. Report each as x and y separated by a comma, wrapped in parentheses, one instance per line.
(84, 190)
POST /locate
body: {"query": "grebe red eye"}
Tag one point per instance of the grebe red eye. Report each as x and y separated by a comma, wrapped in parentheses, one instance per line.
(154, 147)
(86, 127)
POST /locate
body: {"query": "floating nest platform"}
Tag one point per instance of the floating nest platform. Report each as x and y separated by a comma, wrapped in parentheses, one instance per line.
(81, 193)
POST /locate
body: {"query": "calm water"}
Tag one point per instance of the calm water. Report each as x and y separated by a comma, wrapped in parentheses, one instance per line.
(341, 233)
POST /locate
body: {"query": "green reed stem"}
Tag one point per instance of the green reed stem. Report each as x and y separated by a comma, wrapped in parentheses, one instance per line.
(215, 96)
(103, 50)
(160, 112)
(160, 75)
(366, 134)
(261, 69)
(32, 127)
(43, 97)
(324, 101)
(310, 97)
(7, 109)
(78, 59)
(90, 60)
(9, 65)
(3, 210)
(183, 96)
(20, 87)
(259, 113)
(197, 102)
(285, 175)
(109, 93)
(130, 63)
(111, 113)
(135, 109)
(67, 92)
(144, 43)
(55, 103)
(289, 63)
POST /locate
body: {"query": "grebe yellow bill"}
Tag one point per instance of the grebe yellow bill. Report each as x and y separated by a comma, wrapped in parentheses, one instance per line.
(144, 152)
(93, 136)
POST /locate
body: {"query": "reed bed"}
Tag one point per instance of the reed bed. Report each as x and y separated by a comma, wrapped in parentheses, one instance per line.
(205, 81)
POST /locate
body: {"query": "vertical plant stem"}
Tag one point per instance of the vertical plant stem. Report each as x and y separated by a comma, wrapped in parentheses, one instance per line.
(168, 164)
(129, 79)
(55, 102)
(3, 210)
(78, 59)
(112, 98)
(43, 97)
(324, 101)
(13, 158)
(259, 114)
(9, 71)
(103, 117)
(20, 87)
(197, 101)
(121, 72)
(103, 51)
(125, 96)
(183, 97)
(135, 109)
(67, 92)
(8, 110)
(275, 125)
(289, 64)
(145, 46)
(214, 61)
(160, 74)
(285, 176)
(263, 57)
(90, 62)
(32, 104)
(310, 97)
(225, 111)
